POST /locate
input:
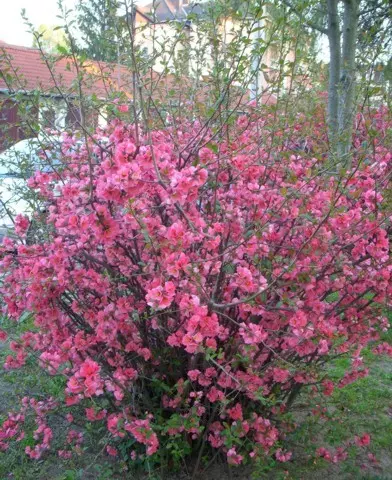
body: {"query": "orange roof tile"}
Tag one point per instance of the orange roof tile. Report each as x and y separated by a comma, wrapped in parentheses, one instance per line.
(29, 70)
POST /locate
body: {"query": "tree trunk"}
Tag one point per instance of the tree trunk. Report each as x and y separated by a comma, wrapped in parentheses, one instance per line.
(346, 108)
(341, 90)
(334, 76)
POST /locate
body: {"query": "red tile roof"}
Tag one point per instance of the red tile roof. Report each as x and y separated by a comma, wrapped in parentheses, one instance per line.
(28, 70)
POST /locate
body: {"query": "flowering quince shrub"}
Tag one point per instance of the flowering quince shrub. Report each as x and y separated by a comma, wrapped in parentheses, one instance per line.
(188, 290)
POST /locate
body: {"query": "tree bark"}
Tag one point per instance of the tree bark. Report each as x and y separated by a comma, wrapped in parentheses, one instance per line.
(334, 76)
(346, 92)
(341, 88)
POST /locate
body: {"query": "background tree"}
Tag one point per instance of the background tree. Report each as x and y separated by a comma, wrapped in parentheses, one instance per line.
(51, 38)
(350, 26)
(100, 27)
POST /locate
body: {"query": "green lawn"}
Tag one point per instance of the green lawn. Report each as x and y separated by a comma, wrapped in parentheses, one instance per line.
(361, 407)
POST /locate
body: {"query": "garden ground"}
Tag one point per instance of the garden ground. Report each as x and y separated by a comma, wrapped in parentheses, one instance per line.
(364, 406)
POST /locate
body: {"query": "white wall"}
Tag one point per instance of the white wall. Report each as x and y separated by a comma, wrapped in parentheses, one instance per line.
(162, 39)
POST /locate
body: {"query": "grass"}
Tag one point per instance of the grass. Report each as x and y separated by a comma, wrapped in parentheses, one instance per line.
(33, 381)
(364, 406)
(361, 407)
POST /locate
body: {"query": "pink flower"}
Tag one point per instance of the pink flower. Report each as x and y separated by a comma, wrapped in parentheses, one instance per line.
(323, 347)
(74, 385)
(245, 280)
(94, 416)
(114, 425)
(123, 108)
(143, 433)
(363, 441)
(215, 395)
(161, 297)
(177, 264)
(192, 342)
(281, 456)
(93, 386)
(280, 375)
(89, 368)
(383, 349)
(372, 458)
(324, 453)
(233, 458)
(21, 224)
(328, 387)
(252, 333)
(66, 454)
(113, 452)
(175, 233)
(193, 375)
(235, 413)
(299, 320)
